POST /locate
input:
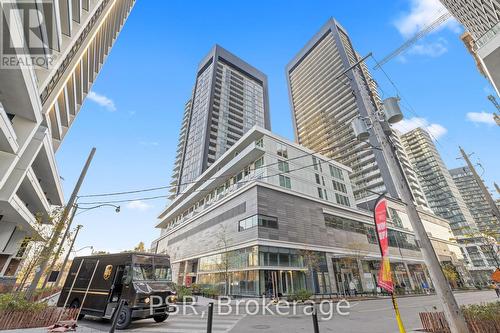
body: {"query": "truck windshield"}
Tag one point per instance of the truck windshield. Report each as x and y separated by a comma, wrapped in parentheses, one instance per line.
(144, 272)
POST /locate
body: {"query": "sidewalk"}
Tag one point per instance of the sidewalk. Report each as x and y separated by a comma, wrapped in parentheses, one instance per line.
(79, 329)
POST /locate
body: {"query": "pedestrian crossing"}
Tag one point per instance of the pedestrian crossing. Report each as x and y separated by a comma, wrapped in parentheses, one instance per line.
(192, 323)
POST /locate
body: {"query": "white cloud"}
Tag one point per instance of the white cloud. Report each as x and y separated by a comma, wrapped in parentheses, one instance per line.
(481, 117)
(435, 130)
(138, 205)
(102, 100)
(434, 49)
(423, 12)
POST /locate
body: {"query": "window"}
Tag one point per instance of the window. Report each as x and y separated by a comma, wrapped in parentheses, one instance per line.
(315, 163)
(346, 224)
(317, 179)
(402, 240)
(258, 220)
(259, 163)
(326, 195)
(268, 221)
(396, 220)
(371, 236)
(320, 192)
(247, 223)
(336, 172)
(285, 181)
(283, 166)
(338, 186)
(342, 199)
(259, 142)
(282, 151)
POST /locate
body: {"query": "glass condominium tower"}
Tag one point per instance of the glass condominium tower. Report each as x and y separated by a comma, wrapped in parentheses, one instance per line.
(229, 97)
(475, 201)
(324, 103)
(440, 190)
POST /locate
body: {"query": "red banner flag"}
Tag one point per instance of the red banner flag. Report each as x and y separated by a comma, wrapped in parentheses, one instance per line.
(384, 274)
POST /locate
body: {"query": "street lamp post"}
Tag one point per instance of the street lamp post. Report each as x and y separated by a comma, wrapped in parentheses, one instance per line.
(73, 213)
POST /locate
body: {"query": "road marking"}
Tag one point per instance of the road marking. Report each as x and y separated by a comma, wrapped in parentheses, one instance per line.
(190, 323)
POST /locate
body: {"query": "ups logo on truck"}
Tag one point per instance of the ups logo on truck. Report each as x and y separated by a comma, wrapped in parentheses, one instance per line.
(107, 272)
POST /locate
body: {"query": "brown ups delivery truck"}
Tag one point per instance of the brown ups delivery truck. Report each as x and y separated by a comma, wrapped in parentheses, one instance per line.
(97, 283)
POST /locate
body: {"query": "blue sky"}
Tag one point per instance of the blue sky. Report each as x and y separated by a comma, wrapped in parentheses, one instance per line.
(134, 113)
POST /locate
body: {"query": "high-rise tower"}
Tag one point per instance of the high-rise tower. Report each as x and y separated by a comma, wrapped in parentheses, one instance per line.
(43, 85)
(229, 97)
(441, 192)
(475, 201)
(481, 19)
(325, 99)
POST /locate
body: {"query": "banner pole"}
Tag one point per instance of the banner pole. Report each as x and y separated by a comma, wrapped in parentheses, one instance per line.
(398, 315)
(385, 262)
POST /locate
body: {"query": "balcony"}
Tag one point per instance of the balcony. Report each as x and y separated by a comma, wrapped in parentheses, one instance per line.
(8, 137)
(487, 49)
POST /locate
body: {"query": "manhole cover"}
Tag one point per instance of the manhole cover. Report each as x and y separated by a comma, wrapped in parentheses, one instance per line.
(261, 327)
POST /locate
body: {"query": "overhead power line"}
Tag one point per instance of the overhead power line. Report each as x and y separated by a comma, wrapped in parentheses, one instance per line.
(194, 191)
(150, 189)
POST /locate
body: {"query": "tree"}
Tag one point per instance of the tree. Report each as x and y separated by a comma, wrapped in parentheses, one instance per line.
(47, 236)
(312, 261)
(140, 247)
(451, 274)
(226, 257)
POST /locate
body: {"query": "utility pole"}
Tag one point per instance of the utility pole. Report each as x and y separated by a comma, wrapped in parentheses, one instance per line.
(451, 309)
(486, 193)
(46, 252)
(61, 244)
(59, 276)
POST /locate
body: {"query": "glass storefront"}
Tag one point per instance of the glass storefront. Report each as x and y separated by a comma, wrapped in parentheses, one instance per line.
(265, 270)
(347, 275)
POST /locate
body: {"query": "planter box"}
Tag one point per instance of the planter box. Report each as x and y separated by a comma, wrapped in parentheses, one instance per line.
(10, 320)
(436, 322)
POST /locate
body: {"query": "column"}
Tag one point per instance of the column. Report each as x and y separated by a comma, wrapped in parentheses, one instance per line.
(331, 272)
(184, 269)
(361, 275)
(410, 277)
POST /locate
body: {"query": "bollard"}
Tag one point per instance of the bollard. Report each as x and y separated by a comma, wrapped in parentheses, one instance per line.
(210, 317)
(315, 320)
(115, 316)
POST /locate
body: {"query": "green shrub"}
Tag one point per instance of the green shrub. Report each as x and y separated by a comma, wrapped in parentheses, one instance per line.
(12, 302)
(196, 288)
(484, 311)
(182, 292)
(300, 295)
(210, 292)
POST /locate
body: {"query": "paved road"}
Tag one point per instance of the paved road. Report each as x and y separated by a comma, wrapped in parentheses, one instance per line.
(365, 316)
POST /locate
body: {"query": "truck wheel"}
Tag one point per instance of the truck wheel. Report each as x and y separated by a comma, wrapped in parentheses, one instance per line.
(160, 318)
(124, 318)
(75, 305)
